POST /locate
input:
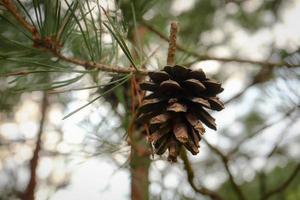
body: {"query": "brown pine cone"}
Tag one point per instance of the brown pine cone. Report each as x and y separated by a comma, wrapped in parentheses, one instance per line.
(176, 108)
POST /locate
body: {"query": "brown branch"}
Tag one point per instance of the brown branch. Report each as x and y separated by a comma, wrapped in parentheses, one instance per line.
(261, 175)
(283, 135)
(99, 66)
(262, 128)
(221, 59)
(265, 74)
(30, 189)
(172, 43)
(225, 161)
(190, 175)
(284, 185)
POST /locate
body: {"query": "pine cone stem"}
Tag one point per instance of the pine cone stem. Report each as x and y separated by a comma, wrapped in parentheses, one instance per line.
(172, 43)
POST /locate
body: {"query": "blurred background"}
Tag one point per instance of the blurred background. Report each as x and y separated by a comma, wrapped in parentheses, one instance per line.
(252, 47)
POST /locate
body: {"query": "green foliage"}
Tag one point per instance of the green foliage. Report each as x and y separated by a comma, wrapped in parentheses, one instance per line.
(252, 20)
(252, 121)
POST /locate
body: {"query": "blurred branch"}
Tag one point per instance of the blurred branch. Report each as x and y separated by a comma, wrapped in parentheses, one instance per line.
(190, 175)
(6, 143)
(238, 95)
(282, 186)
(261, 175)
(281, 137)
(262, 128)
(201, 57)
(265, 74)
(30, 189)
(225, 161)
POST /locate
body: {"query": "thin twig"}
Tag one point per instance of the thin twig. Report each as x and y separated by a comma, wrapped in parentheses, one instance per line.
(262, 76)
(201, 57)
(282, 186)
(100, 66)
(262, 128)
(236, 96)
(225, 161)
(190, 175)
(283, 135)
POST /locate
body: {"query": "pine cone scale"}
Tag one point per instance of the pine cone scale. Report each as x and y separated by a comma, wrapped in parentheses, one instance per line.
(158, 77)
(159, 119)
(149, 86)
(181, 132)
(195, 86)
(200, 101)
(169, 87)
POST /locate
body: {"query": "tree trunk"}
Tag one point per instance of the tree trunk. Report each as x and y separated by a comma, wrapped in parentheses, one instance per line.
(140, 160)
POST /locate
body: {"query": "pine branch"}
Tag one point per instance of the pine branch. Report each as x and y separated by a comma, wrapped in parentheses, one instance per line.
(202, 57)
(12, 8)
(264, 75)
(190, 175)
(282, 136)
(238, 95)
(52, 46)
(262, 128)
(225, 161)
(100, 66)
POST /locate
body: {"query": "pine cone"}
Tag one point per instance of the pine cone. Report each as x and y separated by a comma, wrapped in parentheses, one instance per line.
(175, 109)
